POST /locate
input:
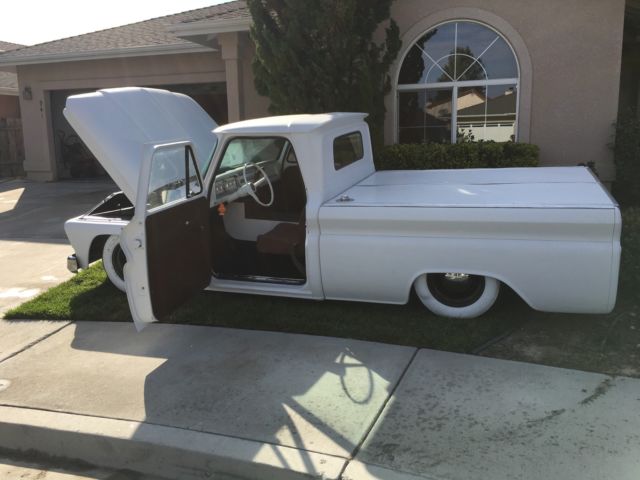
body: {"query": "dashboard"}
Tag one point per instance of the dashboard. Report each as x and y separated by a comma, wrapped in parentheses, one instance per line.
(226, 185)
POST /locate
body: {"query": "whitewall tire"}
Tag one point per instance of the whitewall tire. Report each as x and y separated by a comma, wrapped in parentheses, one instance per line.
(457, 295)
(113, 260)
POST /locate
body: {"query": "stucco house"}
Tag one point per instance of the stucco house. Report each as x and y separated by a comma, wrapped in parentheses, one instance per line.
(545, 72)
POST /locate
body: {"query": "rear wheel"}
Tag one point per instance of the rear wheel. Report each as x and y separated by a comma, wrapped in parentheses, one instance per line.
(457, 295)
(113, 260)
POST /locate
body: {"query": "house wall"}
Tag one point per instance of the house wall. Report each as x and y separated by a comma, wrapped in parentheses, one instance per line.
(256, 106)
(9, 106)
(238, 53)
(569, 54)
(151, 70)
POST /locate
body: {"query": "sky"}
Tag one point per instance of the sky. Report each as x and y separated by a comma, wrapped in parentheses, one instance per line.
(37, 21)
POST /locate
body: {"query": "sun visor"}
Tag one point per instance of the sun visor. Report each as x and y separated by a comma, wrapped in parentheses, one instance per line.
(116, 124)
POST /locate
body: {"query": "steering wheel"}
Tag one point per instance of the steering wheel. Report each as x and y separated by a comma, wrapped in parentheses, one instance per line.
(257, 184)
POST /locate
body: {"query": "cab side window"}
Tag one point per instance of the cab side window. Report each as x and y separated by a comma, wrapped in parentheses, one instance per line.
(347, 149)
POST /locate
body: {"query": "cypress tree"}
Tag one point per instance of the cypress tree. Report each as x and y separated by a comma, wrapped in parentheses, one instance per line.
(315, 56)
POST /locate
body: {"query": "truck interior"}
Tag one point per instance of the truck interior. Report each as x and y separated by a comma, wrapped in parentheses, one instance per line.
(258, 223)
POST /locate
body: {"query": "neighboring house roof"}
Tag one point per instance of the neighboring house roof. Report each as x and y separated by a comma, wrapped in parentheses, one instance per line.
(141, 38)
(6, 46)
(8, 81)
(502, 105)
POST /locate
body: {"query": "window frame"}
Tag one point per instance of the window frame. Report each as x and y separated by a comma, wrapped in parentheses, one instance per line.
(455, 85)
(233, 138)
(190, 160)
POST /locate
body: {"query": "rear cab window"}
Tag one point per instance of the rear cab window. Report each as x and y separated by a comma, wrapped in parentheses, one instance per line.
(347, 149)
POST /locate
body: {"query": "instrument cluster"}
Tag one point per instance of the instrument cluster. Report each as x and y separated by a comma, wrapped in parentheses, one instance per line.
(226, 185)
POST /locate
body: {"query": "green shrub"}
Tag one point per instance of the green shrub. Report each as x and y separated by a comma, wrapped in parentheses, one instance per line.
(458, 155)
(626, 146)
(630, 264)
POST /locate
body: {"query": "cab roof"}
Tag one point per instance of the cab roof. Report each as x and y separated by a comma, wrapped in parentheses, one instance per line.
(305, 123)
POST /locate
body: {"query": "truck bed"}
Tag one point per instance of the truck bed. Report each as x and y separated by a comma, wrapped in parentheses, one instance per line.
(551, 187)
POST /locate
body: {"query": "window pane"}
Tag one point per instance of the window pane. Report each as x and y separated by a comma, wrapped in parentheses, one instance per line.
(425, 116)
(167, 182)
(499, 61)
(474, 38)
(476, 52)
(443, 72)
(347, 149)
(414, 67)
(429, 51)
(241, 151)
(487, 113)
(468, 67)
(439, 42)
(479, 42)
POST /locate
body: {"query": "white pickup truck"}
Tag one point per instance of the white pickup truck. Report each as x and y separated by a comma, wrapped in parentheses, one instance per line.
(293, 206)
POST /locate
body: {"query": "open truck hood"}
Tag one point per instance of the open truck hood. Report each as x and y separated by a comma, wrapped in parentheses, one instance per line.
(116, 124)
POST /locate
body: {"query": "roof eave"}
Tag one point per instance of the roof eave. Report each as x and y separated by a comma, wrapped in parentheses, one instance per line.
(106, 54)
(210, 27)
(13, 92)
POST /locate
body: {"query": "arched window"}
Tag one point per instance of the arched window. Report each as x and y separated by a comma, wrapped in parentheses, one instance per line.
(459, 81)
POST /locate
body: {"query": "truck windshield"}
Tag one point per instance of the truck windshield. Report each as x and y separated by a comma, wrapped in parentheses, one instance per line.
(205, 162)
(241, 151)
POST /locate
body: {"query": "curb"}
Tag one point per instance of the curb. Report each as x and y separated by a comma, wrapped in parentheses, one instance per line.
(156, 449)
(357, 470)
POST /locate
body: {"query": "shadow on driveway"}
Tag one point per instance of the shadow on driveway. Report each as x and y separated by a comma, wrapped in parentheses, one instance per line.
(36, 211)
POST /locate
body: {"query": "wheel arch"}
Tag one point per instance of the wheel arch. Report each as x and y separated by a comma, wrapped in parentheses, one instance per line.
(485, 273)
(87, 237)
(95, 250)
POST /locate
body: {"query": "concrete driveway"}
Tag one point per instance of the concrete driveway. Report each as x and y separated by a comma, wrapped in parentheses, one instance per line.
(33, 246)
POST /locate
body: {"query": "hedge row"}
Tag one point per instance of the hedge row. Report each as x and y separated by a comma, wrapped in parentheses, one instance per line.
(457, 155)
(626, 189)
(630, 266)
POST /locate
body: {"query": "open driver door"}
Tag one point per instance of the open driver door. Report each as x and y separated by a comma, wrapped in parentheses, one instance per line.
(167, 240)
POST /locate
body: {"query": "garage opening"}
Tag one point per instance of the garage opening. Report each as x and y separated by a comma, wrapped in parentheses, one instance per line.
(75, 161)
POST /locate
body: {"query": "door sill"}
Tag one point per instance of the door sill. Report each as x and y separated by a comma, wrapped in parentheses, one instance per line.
(262, 279)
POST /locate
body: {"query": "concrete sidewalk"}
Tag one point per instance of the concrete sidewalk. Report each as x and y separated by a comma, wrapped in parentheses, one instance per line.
(199, 402)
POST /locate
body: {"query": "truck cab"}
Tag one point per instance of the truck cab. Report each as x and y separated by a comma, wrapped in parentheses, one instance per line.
(232, 210)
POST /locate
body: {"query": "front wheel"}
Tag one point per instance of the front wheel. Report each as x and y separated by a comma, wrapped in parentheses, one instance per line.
(113, 260)
(457, 295)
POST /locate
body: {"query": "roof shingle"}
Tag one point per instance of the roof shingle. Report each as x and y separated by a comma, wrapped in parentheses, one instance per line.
(6, 46)
(148, 33)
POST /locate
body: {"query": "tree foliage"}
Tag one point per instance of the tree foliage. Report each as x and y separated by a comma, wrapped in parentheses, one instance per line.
(316, 56)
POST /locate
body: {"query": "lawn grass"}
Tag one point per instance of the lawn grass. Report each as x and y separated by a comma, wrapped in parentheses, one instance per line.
(607, 343)
(90, 296)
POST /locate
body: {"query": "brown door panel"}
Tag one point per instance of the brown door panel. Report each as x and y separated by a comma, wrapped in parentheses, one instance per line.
(178, 254)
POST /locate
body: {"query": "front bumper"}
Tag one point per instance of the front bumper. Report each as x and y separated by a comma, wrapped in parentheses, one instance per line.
(72, 263)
